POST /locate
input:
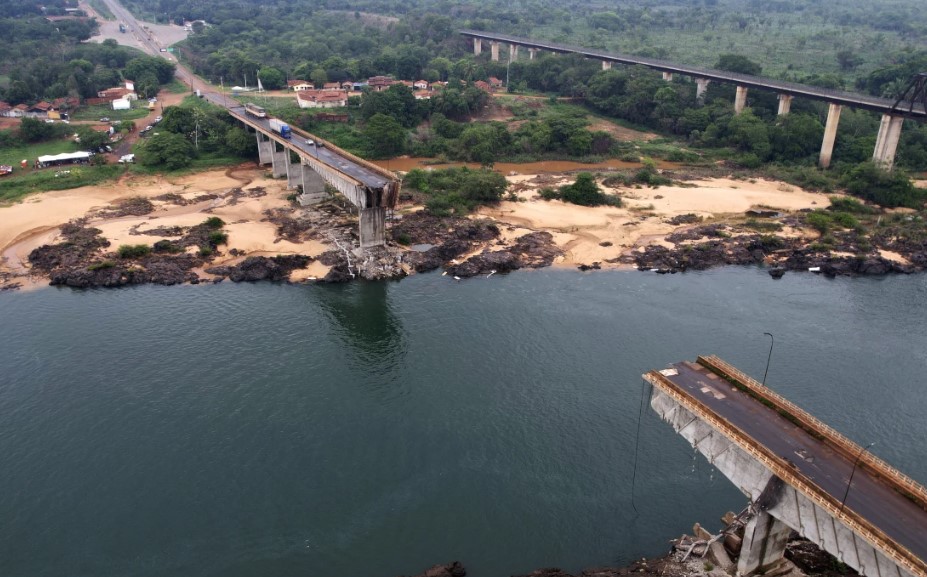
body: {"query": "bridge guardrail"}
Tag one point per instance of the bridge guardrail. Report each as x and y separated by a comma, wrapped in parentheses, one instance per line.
(848, 448)
(781, 469)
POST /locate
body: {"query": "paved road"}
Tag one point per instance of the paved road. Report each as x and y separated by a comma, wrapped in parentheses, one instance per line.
(368, 177)
(359, 172)
(872, 499)
(836, 96)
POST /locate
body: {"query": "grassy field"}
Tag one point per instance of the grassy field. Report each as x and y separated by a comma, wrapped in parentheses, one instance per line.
(139, 110)
(13, 156)
(15, 188)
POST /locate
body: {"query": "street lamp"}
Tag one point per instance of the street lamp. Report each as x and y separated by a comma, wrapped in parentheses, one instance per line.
(843, 501)
(768, 358)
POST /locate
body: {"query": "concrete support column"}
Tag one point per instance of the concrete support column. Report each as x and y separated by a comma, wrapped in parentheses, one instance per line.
(785, 104)
(668, 76)
(830, 134)
(265, 149)
(606, 65)
(477, 46)
(372, 227)
(281, 160)
(313, 187)
(532, 53)
(513, 52)
(740, 99)
(701, 87)
(764, 543)
(294, 174)
(494, 50)
(887, 140)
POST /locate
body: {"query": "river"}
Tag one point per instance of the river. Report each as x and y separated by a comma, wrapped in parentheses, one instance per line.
(374, 429)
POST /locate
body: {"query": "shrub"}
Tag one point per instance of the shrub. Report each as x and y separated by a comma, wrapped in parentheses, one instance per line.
(205, 251)
(102, 265)
(584, 192)
(218, 237)
(548, 193)
(403, 238)
(845, 219)
(890, 189)
(214, 222)
(819, 221)
(167, 246)
(851, 205)
(127, 251)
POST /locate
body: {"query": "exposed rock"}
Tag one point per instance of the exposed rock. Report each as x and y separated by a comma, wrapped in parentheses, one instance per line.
(255, 268)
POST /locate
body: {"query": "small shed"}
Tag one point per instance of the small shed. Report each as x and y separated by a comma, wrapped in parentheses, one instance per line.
(121, 104)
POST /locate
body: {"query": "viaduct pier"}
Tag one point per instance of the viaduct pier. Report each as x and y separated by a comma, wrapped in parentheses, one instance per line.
(893, 113)
(798, 473)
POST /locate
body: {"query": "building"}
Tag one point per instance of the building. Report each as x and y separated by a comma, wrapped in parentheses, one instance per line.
(118, 92)
(299, 85)
(331, 86)
(39, 110)
(484, 86)
(121, 104)
(380, 83)
(420, 85)
(322, 98)
(422, 94)
(5, 109)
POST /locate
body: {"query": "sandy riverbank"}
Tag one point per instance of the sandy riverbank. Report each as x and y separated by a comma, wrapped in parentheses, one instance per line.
(643, 220)
(243, 196)
(239, 196)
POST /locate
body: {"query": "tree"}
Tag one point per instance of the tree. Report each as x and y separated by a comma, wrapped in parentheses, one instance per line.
(167, 149)
(271, 78)
(239, 142)
(886, 188)
(584, 191)
(34, 130)
(739, 64)
(318, 76)
(848, 60)
(385, 136)
(91, 139)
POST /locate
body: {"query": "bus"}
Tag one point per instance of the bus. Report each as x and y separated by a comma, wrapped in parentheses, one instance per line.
(255, 110)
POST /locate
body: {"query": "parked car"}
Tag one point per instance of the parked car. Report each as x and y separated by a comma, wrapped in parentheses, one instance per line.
(104, 119)
(127, 159)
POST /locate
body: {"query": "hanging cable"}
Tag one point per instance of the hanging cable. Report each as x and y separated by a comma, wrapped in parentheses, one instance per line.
(637, 443)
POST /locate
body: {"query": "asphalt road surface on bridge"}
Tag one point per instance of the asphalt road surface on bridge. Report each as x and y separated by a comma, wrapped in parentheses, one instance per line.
(869, 497)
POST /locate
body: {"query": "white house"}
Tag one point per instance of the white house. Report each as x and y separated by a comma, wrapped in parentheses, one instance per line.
(121, 104)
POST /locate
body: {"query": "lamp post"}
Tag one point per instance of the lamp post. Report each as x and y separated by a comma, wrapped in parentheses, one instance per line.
(769, 357)
(843, 501)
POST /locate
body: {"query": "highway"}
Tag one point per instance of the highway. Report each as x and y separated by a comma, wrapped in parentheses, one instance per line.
(854, 100)
(871, 498)
(367, 176)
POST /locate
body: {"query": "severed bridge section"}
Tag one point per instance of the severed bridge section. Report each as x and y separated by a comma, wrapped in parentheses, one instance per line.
(799, 473)
(368, 187)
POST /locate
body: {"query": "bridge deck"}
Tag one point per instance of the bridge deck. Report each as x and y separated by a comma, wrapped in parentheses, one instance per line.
(359, 172)
(872, 497)
(851, 99)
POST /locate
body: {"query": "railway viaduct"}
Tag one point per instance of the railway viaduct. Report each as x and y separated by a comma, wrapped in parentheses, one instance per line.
(893, 113)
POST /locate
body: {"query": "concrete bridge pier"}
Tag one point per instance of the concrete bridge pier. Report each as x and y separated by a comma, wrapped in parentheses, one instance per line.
(830, 134)
(513, 52)
(668, 76)
(477, 46)
(785, 104)
(280, 160)
(494, 50)
(294, 173)
(606, 65)
(532, 53)
(265, 148)
(740, 99)
(765, 538)
(372, 227)
(701, 88)
(313, 187)
(887, 141)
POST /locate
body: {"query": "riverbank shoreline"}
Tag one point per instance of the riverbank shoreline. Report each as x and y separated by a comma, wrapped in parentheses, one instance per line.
(691, 224)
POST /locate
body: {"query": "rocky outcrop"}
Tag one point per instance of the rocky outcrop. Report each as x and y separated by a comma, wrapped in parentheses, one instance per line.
(255, 268)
